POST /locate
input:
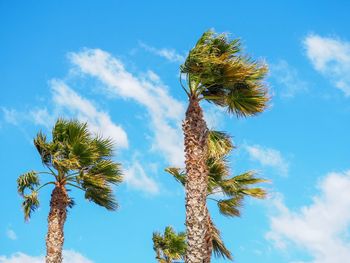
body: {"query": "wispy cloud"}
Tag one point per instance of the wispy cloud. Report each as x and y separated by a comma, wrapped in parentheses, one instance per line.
(165, 111)
(330, 57)
(70, 104)
(287, 79)
(11, 116)
(320, 227)
(69, 256)
(136, 177)
(11, 234)
(169, 54)
(66, 99)
(268, 157)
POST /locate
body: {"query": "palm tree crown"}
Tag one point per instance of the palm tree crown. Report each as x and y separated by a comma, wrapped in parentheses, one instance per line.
(170, 246)
(76, 159)
(216, 71)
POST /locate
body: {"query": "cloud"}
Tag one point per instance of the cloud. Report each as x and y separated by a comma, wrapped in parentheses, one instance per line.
(66, 99)
(11, 116)
(68, 103)
(136, 177)
(165, 111)
(287, 79)
(330, 57)
(268, 157)
(69, 256)
(320, 228)
(169, 54)
(11, 234)
(42, 117)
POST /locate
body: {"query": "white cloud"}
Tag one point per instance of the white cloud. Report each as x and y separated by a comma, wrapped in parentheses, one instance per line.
(136, 177)
(69, 256)
(165, 111)
(66, 99)
(331, 57)
(268, 157)
(287, 79)
(11, 234)
(11, 116)
(68, 103)
(169, 54)
(320, 228)
(42, 117)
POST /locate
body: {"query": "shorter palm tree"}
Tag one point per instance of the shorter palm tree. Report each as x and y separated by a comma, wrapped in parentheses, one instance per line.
(170, 246)
(227, 191)
(74, 159)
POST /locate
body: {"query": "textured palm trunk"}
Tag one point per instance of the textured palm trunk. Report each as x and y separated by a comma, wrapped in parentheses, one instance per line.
(209, 238)
(196, 133)
(56, 220)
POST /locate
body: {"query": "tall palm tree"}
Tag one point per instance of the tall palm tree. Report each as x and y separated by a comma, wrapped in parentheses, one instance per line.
(74, 159)
(230, 189)
(215, 70)
(170, 246)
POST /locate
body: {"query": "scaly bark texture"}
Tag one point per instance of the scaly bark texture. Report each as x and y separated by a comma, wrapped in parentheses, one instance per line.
(196, 133)
(209, 238)
(56, 220)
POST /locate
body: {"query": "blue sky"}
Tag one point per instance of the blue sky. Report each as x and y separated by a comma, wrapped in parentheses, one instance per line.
(115, 65)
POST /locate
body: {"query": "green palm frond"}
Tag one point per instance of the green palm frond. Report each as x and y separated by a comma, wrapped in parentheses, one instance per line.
(43, 148)
(107, 169)
(178, 173)
(99, 191)
(104, 147)
(28, 180)
(169, 246)
(30, 204)
(218, 72)
(219, 144)
(240, 184)
(219, 248)
(102, 196)
(230, 207)
(217, 170)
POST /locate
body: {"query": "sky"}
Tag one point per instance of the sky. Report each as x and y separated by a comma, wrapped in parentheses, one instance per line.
(115, 65)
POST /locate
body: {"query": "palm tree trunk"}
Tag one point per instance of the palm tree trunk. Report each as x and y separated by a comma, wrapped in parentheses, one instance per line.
(209, 238)
(196, 133)
(56, 220)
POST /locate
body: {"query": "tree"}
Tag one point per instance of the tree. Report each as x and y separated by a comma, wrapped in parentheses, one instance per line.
(232, 188)
(216, 71)
(74, 159)
(170, 246)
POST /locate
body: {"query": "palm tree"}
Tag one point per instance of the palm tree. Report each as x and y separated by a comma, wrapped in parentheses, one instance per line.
(232, 189)
(74, 159)
(170, 246)
(215, 70)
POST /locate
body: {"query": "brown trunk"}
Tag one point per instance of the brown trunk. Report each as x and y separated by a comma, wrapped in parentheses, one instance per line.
(209, 238)
(56, 220)
(196, 133)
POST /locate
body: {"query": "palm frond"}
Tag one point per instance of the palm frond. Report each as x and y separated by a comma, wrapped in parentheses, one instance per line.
(30, 204)
(240, 184)
(99, 191)
(107, 169)
(169, 246)
(27, 181)
(219, 144)
(104, 147)
(230, 207)
(43, 148)
(219, 248)
(178, 173)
